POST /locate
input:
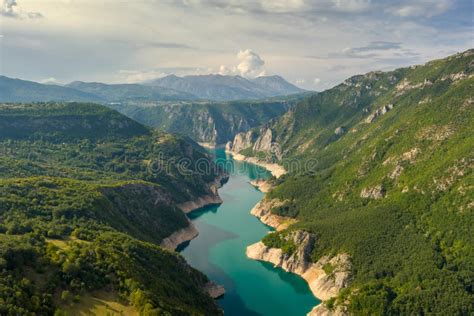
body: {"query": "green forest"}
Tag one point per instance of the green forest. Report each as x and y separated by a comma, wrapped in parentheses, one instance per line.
(394, 190)
(83, 208)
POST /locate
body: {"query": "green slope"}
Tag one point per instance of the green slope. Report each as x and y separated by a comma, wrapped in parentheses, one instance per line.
(411, 240)
(83, 207)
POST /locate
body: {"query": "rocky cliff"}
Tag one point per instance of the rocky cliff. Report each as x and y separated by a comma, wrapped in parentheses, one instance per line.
(262, 211)
(259, 144)
(208, 199)
(260, 141)
(190, 232)
(211, 123)
(178, 237)
(262, 185)
(325, 278)
(241, 141)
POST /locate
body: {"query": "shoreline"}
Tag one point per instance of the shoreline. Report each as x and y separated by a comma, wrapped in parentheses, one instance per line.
(190, 232)
(275, 169)
(277, 222)
(322, 286)
(259, 211)
(200, 202)
(178, 237)
(262, 185)
(210, 145)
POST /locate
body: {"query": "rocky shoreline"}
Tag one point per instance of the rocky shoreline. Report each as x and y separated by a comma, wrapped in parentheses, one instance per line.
(262, 185)
(275, 169)
(324, 284)
(325, 278)
(200, 202)
(262, 212)
(214, 290)
(190, 232)
(178, 237)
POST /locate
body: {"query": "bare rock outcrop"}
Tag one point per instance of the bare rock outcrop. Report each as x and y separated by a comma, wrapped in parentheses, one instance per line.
(178, 237)
(379, 112)
(376, 192)
(326, 277)
(263, 211)
(264, 141)
(339, 131)
(323, 310)
(263, 185)
(214, 290)
(209, 199)
(241, 141)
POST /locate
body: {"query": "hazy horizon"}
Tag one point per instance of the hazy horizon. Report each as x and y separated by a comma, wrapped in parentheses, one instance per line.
(312, 44)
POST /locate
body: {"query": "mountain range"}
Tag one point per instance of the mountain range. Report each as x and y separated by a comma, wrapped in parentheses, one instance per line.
(226, 88)
(170, 88)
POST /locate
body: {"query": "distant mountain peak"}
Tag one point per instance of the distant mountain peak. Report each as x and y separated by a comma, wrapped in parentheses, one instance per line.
(220, 87)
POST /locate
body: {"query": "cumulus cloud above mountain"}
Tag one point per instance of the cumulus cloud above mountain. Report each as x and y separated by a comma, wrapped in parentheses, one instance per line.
(250, 65)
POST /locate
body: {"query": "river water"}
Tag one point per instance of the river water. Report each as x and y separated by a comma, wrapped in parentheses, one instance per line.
(252, 287)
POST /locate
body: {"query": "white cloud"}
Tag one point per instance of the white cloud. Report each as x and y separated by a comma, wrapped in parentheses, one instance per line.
(426, 8)
(225, 71)
(135, 76)
(352, 5)
(250, 65)
(11, 9)
(50, 80)
(282, 5)
(316, 81)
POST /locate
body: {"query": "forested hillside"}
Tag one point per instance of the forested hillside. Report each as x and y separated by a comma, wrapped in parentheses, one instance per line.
(390, 184)
(86, 197)
(213, 123)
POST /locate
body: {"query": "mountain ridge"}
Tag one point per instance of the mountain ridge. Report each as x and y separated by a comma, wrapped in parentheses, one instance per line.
(228, 88)
(170, 88)
(380, 167)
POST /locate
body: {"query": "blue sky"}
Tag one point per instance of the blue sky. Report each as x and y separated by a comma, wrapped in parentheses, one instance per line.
(315, 44)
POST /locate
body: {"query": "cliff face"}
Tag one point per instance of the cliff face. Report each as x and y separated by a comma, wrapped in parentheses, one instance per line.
(261, 141)
(323, 310)
(326, 277)
(211, 123)
(264, 141)
(262, 211)
(178, 237)
(215, 128)
(241, 141)
(264, 186)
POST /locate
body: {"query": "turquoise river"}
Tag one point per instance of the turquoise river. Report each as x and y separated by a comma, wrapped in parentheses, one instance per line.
(252, 287)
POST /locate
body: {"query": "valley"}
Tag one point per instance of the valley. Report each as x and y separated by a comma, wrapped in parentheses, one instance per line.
(389, 189)
(357, 200)
(252, 288)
